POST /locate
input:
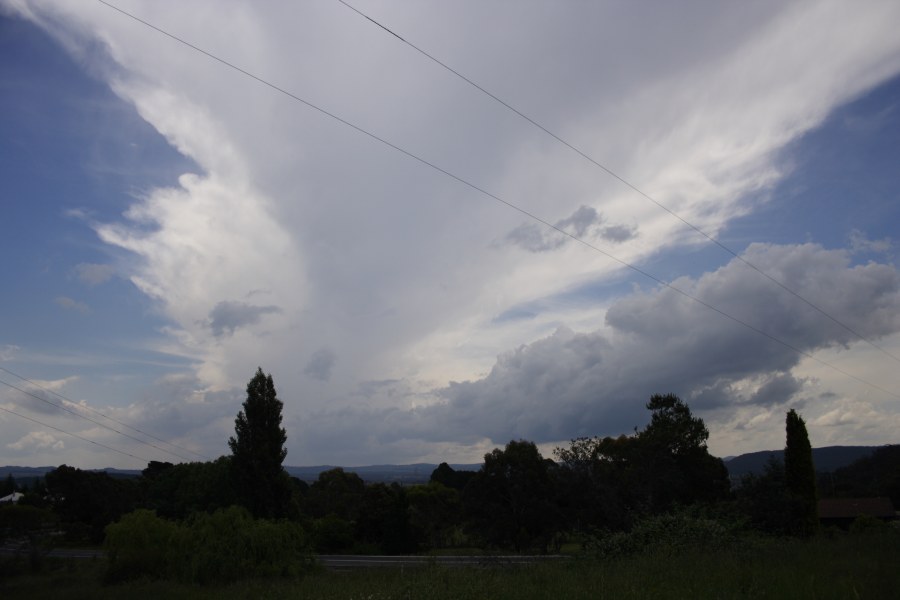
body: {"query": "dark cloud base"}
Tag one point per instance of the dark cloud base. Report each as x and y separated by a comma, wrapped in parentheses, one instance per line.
(572, 384)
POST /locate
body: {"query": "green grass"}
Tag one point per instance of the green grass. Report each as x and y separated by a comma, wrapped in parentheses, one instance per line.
(862, 566)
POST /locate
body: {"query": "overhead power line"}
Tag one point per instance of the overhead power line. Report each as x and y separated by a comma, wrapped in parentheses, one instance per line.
(103, 425)
(625, 182)
(97, 412)
(74, 435)
(496, 198)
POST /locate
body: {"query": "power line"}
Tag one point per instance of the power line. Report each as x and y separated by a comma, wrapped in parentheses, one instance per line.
(493, 196)
(72, 412)
(105, 416)
(624, 181)
(74, 435)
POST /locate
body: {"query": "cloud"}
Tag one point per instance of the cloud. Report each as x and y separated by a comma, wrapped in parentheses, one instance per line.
(8, 352)
(656, 341)
(70, 304)
(860, 243)
(227, 316)
(94, 274)
(540, 238)
(37, 440)
(395, 269)
(619, 233)
(320, 364)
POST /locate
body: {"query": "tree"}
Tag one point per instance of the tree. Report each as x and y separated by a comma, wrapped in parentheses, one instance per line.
(258, 450)
(612, 481)
(800, 476)
(8, 486)
(675, 461)
(511, 500)
(445, 475)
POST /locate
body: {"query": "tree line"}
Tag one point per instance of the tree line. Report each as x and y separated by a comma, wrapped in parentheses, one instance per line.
(519, 500)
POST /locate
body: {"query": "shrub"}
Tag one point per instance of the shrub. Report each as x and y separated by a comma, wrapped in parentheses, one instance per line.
(224, 546)
(666, 534)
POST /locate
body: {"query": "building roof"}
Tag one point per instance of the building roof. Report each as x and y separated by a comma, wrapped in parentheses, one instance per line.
(850, 508)
(14, 498)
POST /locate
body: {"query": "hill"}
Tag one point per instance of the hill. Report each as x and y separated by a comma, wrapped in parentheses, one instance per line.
(826, 459)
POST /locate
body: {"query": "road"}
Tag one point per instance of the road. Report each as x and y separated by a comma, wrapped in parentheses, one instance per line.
(336, 562)
(340, 562)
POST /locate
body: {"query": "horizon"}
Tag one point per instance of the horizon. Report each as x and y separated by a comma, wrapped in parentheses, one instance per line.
(444, 275)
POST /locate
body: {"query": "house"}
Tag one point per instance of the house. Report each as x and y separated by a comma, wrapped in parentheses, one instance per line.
(12, 498)
(843, 511)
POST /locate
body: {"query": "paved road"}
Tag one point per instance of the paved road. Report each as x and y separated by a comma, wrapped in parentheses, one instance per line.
(340, 562)
(346, 562)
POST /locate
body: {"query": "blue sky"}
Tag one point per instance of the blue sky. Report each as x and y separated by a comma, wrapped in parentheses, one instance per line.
(169, 225)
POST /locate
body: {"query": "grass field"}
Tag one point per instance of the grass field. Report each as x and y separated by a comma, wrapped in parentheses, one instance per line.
(864, 566)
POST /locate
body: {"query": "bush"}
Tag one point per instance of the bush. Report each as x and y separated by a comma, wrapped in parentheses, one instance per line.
(224, 546)
(667, 534)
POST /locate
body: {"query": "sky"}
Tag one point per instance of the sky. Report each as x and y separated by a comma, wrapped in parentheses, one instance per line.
(425, 273)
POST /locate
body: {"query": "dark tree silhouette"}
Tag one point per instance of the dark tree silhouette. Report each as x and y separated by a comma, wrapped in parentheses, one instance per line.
(677, 466)
(800, 476)
(511, 500)
(258, 451)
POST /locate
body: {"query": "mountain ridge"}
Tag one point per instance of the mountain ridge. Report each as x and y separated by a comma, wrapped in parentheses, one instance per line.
(826, 459)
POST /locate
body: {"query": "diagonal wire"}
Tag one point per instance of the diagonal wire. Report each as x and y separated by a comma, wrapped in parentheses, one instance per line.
(74, 435)
(97, 412)
(625, 182)
(497, 198)
(72, 412)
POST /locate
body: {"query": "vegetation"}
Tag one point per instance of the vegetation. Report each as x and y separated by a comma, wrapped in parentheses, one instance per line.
(640, 511)
(875, 475)
(223, 546)
(800, 477)
(848, 566)
(258, 450)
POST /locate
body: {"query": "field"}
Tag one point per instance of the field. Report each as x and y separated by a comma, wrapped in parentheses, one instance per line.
(863, 566)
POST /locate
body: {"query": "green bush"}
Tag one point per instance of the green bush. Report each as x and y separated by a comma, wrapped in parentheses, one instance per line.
(224, 546)
(143, 545)
(666, 534)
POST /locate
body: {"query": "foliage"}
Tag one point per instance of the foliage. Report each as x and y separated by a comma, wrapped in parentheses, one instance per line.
(832, 569)
(226, 545)
(435, 511)
(336, 492)
(511, 500)
(8, 486)
(333, 535)
(764, 499)
(447, 476)
(383, 521)
(87, 501)
(26, 532)
(258, 451)
(607, 482)
(677, 467)
(176, 491)
(666, 535)
(800, 476)
(874, 475)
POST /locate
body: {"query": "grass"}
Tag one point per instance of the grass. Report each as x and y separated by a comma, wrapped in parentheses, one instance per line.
(846, 567)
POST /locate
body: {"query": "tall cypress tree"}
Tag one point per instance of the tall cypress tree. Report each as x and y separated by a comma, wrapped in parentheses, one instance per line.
(258, 450)
(800, 476)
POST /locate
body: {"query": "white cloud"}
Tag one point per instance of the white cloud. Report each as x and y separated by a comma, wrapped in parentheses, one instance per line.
(395, 268)
(70, 304)
(8, 352)
(37, 440)
(94, 274)
(859, 243)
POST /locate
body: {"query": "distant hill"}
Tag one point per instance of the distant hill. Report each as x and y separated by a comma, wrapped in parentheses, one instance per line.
(826, 459)
(402, 474)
